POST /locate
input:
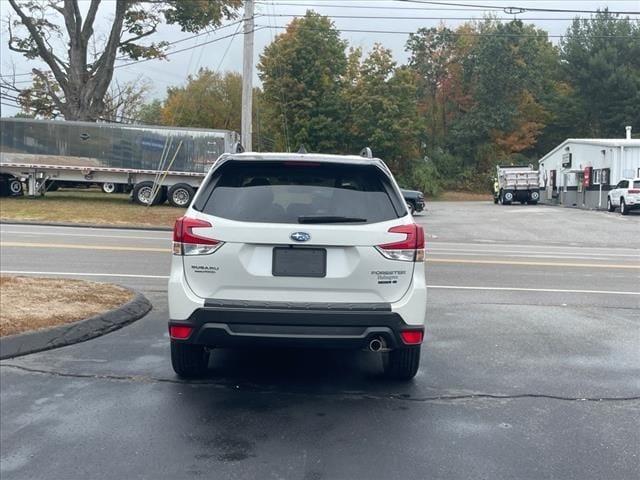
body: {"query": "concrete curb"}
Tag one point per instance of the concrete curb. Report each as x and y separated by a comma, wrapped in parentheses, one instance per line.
(83, 225)
(68, 334)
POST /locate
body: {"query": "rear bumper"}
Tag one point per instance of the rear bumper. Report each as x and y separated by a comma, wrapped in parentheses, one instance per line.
(282, 324)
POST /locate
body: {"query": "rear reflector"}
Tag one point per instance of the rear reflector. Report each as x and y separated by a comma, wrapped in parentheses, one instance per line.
(412, 337)
(411, 249)
(179, 332)
(186, 242)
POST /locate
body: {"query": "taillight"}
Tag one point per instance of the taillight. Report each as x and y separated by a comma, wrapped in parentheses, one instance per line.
(412, 337)
(411, 249)
(186, 242)
(634, 191)
(180, 332)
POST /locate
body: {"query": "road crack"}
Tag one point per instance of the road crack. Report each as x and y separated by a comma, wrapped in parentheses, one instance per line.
(355, 394)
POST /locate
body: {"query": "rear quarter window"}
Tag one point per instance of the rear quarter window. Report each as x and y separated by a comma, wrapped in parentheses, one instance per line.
(283, 192)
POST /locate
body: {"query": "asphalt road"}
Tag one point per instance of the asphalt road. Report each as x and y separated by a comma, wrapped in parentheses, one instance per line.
(531, 368)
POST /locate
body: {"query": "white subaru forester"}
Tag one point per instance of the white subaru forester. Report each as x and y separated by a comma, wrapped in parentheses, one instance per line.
(297, 250)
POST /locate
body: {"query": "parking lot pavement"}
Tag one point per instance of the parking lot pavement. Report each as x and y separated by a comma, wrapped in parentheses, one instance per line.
(531, 369)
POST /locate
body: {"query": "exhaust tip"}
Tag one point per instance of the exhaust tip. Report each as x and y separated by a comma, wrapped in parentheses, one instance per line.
(376, 345)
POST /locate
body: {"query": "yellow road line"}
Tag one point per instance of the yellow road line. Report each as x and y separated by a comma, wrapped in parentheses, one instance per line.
(533, 264)
(83, 247)
(429, 260)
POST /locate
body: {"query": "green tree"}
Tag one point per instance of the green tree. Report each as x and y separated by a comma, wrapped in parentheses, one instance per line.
(79, 77)
(504, 75)
(302, 73)
(208, 100)
(432, 55)
(601, 59)
(383, 112)
(151, 113)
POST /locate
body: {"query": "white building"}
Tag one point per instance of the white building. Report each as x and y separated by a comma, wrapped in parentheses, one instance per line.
(580, 171)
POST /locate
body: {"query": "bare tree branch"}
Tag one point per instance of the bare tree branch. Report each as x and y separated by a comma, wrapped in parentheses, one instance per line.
(87, 28)
(50, 90)
(138, 37)
(44, 53)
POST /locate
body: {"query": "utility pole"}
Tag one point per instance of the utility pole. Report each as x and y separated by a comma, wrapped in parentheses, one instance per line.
(247, 77)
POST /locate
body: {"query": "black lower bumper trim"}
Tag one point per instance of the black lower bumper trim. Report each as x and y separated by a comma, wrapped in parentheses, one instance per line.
(273, 325)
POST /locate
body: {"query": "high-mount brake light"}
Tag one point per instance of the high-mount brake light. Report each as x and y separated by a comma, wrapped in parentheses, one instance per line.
(186, 242)
(411, 249)
(303, 163)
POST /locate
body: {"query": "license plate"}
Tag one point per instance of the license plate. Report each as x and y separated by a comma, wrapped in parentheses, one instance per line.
(299, 262)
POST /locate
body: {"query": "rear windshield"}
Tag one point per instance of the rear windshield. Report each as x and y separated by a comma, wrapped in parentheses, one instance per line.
(300, 192)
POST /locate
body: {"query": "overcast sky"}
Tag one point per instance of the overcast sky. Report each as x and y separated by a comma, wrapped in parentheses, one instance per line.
(174, 71)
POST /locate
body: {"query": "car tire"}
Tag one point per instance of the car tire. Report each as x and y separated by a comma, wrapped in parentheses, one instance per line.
(142, 192)
(507, 197)
(189, 361)
(623, 207)
(181, 194)
(402, 363)
(610, 206)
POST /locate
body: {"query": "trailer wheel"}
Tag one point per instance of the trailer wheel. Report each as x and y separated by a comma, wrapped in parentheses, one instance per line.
(142, 194)
(15, 187)
(181, 194)
(109, 187)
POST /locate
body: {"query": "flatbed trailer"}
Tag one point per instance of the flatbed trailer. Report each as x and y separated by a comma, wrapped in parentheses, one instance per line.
(154, 163)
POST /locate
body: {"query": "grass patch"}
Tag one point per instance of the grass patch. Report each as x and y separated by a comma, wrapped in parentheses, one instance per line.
(87, 206)
(463, 197)
(31, 303)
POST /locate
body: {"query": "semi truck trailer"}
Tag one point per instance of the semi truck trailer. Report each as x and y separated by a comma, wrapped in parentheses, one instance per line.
(154, 163)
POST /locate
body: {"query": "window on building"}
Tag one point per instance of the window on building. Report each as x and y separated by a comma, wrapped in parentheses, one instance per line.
(596, 177)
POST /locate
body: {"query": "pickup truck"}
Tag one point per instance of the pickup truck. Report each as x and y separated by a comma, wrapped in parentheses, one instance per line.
(414, 200)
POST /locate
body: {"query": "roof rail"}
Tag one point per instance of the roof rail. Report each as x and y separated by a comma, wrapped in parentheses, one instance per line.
(366, 152)
(237, 148)
(302, 149)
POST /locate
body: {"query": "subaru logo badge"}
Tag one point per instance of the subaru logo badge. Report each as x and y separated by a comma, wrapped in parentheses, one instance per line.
(300, 236)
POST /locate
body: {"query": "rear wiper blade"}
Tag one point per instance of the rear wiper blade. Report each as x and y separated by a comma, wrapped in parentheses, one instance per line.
(329, 219)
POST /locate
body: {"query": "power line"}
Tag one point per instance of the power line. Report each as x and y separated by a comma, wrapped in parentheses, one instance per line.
(372, 7)
(377, 17)
(147, 59)
(516, 9)
(186, 49)
(9, 105)
(468, 34)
